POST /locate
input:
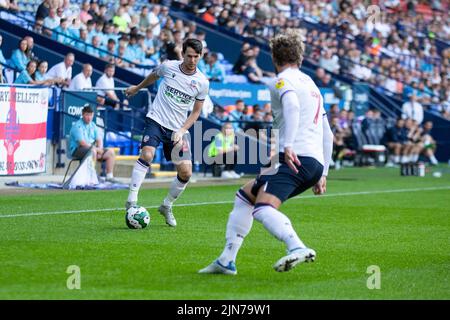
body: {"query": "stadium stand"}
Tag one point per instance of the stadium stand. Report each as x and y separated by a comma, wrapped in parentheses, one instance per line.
(367, 64)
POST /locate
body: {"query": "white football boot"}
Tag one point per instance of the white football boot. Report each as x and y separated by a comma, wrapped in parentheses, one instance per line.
(293, 258)
(217, 268)
(166, 211)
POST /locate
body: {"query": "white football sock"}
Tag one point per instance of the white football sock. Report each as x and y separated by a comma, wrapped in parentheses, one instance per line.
(239, 224)
(433, 160)
(414, 158)
(176, 188)
(137, 177)
(396, 159)
(278, 225)
(109, 175)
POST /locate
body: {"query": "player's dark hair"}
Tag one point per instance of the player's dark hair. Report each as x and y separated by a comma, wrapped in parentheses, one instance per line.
(194, 44)
(87, 109)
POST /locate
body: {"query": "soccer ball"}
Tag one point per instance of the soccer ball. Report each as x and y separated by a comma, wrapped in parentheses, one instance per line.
(137, 218)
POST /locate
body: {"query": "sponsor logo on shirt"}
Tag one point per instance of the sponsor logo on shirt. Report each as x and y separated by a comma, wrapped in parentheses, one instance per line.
(279, 84)
(178, 96)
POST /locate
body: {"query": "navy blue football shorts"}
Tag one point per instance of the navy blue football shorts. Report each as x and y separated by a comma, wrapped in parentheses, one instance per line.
(154, 134)
(284, 183)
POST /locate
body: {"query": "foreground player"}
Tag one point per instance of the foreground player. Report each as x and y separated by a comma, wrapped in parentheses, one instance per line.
(183, 88)
(306, 144)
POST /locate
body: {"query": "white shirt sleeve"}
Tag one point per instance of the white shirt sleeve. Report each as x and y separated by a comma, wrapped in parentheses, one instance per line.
(291, 115)
(162, 69)
(204, 91)
(327, 145)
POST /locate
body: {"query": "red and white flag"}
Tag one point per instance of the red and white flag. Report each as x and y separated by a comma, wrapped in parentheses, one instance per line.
(23, 128)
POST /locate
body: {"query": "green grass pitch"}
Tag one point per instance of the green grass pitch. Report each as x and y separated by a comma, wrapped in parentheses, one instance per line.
(370, 217)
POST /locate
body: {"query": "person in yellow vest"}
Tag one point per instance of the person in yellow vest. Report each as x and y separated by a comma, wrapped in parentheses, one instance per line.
(224, 151)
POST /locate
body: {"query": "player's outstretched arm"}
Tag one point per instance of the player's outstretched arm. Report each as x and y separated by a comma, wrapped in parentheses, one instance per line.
(150, 79)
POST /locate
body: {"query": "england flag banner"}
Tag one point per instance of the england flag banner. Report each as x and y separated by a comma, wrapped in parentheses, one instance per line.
(23, 123)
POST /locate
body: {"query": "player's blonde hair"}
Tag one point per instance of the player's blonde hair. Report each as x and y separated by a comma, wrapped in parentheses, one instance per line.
(287, 47)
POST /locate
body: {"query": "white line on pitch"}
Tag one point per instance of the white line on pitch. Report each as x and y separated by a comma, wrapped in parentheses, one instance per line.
(227, 202)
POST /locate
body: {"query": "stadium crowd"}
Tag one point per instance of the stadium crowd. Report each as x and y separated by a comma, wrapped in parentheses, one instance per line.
(397, 51)
(400, 56)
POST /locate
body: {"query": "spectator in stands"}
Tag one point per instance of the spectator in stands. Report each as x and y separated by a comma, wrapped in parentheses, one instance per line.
(167, 50)
(246, 52)
(30, 46)
(212, 68)
(83, 39)
(153, 18)
(252, 71)
(339, 147)
(19, 57)
(83, 134)
(144, 23)
(209, 15)
(319, 77)
(43, 10)
(395, 139)
(108, 96)
(119, 60)
(93, 49)
(122, 19)
(149, 42)
(94, 11)
(223, 151)
(414, 146)
(71, 10)
(85, 16)
(82, 80)
(109, 51)
(413, 109)
(38, 26)
(63, 70)
(62, 34)
(60, 13)
(134, 52)
(27, 76)
(51, 22)
(429, 144)
(373, 126)
(329, 61)
(2, 57)
(238, 115)
(41, 74)
(218, 116)
(256, 123)
(333, 112)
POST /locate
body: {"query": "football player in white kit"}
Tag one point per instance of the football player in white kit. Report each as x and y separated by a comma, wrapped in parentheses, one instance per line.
(306, 144)
(183, 88)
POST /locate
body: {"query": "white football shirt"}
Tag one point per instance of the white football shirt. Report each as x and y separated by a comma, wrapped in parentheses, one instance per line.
(176, 95)
(80, 82)
(309, 139)
(59, 71)
(104, 82)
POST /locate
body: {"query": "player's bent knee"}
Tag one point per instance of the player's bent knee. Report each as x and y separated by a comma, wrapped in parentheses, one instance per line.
(185, 174)
(147, 154)
(267, 198)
